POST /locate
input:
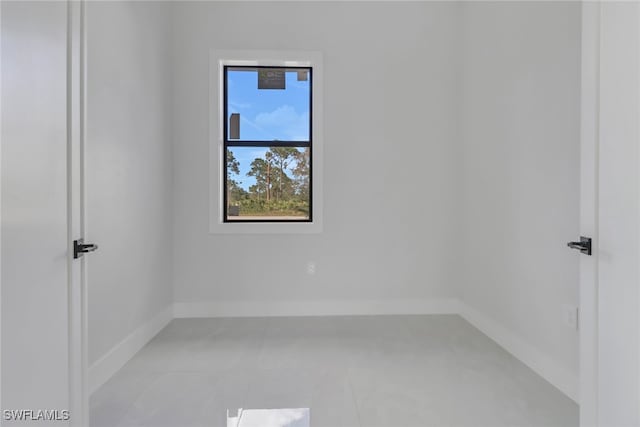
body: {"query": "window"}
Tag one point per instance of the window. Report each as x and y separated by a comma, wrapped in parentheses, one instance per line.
(268, 144)
(266, 148)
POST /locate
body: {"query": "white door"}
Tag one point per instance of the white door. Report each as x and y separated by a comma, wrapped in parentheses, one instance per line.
(589, 136)
(619, 216)
(40, 129)
(78, 339)
(610, 280)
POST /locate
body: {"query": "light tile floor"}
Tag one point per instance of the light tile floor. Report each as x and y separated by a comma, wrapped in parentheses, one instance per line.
(367, 371)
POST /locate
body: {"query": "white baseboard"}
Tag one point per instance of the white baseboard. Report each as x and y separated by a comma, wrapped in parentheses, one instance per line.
(315, 308)
(102, 369)
(538, 361)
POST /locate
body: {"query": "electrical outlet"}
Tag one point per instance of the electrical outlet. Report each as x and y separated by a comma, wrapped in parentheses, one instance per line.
(570, 316)
(311, 268)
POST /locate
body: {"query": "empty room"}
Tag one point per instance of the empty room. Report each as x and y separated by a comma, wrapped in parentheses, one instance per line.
(320, 213)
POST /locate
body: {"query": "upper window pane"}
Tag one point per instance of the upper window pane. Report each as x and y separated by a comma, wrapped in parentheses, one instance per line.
(268, 104)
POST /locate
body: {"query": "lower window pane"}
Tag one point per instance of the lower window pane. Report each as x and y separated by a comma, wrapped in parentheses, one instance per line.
(266, 184)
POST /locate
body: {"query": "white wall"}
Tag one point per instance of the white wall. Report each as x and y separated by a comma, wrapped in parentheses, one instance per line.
(128, 168)
(390, 157)
(520, 104)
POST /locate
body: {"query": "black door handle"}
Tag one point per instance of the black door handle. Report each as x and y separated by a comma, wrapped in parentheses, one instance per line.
(584, 245)
(79, 248)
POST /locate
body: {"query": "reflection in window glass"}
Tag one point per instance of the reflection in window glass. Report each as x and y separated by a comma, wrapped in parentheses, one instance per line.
(289, 417)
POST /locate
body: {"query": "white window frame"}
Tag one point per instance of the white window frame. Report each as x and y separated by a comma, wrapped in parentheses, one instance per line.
(217, 60)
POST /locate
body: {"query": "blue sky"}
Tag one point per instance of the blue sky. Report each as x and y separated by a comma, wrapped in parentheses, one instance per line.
(266, 114)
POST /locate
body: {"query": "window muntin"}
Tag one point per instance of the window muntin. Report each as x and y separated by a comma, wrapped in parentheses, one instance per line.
(267, 144)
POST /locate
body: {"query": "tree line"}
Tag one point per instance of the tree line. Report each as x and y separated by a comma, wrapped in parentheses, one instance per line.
(282, 183)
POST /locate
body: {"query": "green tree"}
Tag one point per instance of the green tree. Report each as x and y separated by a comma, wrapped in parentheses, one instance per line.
(301, 173)
(281, 183)
(233, 165)
(282, 157)
(234, 191)
(261, 170)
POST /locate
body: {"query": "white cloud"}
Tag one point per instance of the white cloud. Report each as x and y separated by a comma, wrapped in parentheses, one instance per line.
(286, 121)
(239, 105)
